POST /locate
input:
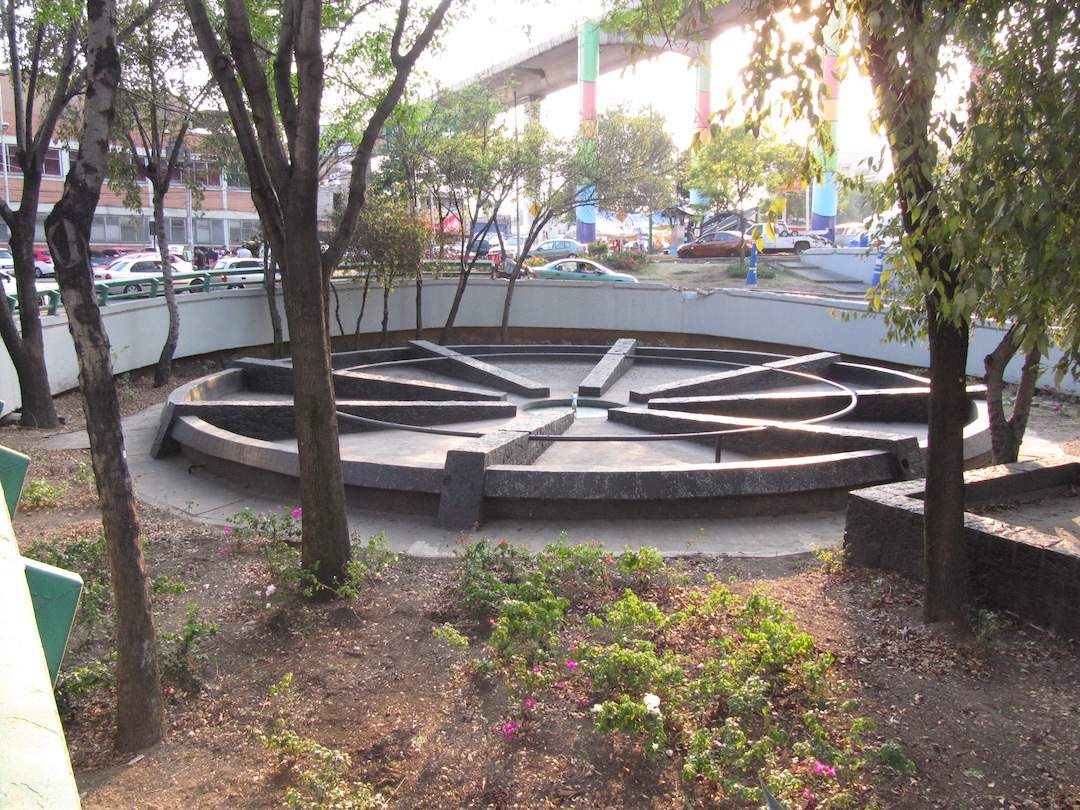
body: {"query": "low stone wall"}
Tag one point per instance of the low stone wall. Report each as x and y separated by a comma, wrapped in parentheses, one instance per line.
(1016, 569)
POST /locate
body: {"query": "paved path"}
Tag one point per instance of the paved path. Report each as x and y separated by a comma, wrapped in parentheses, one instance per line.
(171, 484)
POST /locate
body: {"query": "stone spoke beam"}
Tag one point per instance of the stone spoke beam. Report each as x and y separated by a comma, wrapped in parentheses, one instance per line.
(776, 439)
(477, 371)
(751, 378)
(273, 377)
(610, 367)
(461, 498)
(276, 420)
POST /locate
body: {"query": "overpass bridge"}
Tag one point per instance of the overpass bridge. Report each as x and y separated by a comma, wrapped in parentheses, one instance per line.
(580, 55)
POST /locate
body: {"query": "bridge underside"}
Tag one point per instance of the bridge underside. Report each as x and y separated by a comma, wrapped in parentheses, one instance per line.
(552, 65)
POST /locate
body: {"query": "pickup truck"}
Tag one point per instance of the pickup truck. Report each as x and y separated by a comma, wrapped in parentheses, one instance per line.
(783, 238)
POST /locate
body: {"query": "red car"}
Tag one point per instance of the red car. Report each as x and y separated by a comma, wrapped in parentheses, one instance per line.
(713, 245)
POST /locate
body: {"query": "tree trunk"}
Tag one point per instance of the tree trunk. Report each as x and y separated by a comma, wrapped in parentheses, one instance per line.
(139, 718)
(325, 543)
(270, 285)
(459, 293)
(363, 306)
(742, 239)
(26, 345)
(1007, 434)
(385, 336)
(419, 305)
(945, 560)
(163, 370)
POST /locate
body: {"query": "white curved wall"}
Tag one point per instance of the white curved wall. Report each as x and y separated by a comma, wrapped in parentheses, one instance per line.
(230, 319)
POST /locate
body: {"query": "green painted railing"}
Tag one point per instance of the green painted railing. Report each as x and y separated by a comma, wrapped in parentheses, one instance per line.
(35, 770)
(207, 281)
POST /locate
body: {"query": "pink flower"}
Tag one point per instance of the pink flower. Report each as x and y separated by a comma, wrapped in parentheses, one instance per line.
(228, 530)
(536, 670)
(558, 684)
(822, 769)
(509, 729)
(297, 513)
(571, 664)
(528, 704)
(504, 542)
(609, 559)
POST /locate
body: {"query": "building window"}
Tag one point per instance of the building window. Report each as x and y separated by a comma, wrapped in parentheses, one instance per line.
(237, 177)
(206, 173)
(243, 230)
(209, 232)
(176, 230)
(51, 167)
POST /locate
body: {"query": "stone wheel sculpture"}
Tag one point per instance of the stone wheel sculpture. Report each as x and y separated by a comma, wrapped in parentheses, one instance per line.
(572, 431)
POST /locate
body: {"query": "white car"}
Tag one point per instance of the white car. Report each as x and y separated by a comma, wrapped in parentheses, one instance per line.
(227, 271)
(7, 262)
(782, 238)
(7, 276)
(138, 269)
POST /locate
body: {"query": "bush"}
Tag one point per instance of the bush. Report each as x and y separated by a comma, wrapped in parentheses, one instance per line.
(181, 656)
(625, 262)
(40, 494)
(738, 271)
(74, 683)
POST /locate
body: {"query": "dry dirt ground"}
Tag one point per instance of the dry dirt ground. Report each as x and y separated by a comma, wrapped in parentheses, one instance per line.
(991, 726)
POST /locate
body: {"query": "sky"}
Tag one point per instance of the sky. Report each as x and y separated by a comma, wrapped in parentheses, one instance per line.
(498, 30)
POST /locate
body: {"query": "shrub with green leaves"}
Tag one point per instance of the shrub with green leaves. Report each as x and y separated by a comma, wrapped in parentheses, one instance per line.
(75, 683)
(165, 584)
(322, 773)
(40, 494)
(181, 653)
(745, 693)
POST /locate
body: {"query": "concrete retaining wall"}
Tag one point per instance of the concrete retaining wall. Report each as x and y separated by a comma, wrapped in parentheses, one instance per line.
(1013, 568)
(233, 319)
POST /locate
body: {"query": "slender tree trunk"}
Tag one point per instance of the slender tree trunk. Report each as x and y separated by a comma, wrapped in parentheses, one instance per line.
(270, 285)
(337, 310)
(455, 305)
(384, 339)
(946, 566)
(325, 541)
(1007, 433)
(363, 306)
(163, 370)
(26, 345)
(139, 710)
(742, 239)
(519, 266)
(419, 305)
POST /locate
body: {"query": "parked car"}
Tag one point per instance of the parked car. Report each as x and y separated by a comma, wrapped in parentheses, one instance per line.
(7, 263)
(714, 245)
(783, 238)
(99, 258)
(580, 270)
(43, 264)
(234, 280)
(559, 249)
(137, 269)
(7, 276)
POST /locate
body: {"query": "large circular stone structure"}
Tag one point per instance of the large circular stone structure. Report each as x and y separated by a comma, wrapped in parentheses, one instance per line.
(570, 431)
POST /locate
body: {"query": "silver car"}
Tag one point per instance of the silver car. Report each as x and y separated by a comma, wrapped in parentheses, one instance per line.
(559, 249)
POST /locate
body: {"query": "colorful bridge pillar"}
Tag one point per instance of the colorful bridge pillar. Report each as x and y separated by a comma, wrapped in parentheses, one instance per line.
(588, 70)
(824, 191)
(702, 106)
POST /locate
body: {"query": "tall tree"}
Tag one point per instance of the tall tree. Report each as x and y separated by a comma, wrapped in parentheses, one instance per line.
(902, 47)
(138, 709)
(156, 106)
(47, 69)
(471, 169)
(734, 162)
(270, 67)
(628, 167)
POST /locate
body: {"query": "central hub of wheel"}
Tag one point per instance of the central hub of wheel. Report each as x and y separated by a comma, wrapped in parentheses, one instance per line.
(586, 408)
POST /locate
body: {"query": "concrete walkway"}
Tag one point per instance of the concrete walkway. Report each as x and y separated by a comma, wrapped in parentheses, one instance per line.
(172, 485)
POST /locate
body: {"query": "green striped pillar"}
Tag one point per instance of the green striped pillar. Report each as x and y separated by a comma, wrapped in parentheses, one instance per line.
(588, 70)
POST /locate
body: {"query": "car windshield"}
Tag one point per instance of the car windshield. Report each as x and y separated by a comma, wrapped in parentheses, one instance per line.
(5, 254)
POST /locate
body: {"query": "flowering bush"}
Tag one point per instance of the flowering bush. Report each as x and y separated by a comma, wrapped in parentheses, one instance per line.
(727, 684)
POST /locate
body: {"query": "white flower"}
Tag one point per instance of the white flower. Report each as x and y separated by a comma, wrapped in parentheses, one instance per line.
(652, 703)
(270, 591)
(596, 709)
